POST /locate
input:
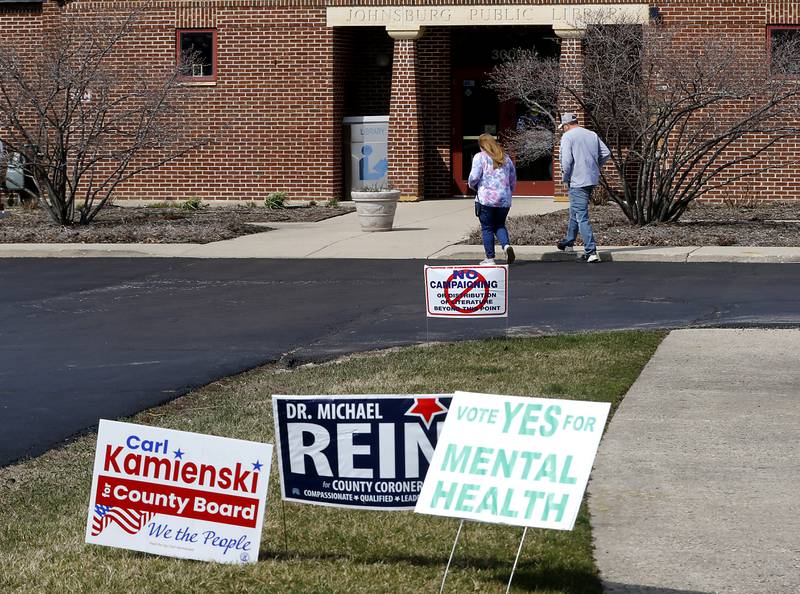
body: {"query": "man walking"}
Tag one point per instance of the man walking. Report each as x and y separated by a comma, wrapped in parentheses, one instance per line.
(582, 156)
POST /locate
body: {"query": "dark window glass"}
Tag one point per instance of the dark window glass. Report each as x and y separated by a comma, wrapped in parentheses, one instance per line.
(197, 47)
(785, 47)
(498, 44)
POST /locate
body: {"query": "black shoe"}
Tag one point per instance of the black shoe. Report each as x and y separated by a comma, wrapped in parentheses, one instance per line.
(563, 246)
(589, 258)
(510, 255)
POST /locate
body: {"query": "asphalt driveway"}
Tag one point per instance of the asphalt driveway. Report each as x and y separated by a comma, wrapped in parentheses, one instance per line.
(82, 339)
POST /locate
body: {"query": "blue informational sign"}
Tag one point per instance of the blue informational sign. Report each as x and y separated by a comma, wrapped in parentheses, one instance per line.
(369, 159)
(363, 452)
(369, 171)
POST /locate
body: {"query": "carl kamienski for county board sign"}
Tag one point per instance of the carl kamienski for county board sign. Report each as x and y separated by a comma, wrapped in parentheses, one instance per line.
(357, 451)
(178, 494)
(466, 291)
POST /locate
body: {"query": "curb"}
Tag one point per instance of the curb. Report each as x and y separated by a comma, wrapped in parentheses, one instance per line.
(95, 250)
(694, 254)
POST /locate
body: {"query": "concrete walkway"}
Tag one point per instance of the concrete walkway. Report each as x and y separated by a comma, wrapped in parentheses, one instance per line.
(421, 230)
(697, 478)
(432, 229)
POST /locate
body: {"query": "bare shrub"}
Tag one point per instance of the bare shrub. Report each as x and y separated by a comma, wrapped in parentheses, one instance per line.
(85, 117)
(681, 118)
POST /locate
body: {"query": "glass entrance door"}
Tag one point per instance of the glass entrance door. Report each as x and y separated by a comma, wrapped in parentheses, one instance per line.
(476, 111)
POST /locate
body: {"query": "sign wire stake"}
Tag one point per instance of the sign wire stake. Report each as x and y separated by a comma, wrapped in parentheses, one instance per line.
(427, 330)
(285, 536)
(452, 554)
(516, 559)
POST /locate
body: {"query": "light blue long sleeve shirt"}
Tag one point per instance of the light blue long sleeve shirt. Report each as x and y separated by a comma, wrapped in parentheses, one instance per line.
(582, 155)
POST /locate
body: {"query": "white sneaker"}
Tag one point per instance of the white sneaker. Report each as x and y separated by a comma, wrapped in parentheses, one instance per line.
(487, 262)
(510, 255)
(589, 258)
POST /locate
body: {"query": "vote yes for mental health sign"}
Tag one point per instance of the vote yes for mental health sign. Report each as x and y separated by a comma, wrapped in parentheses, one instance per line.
(364, 452)
(178, 494)
(466, 291)
(513, 460)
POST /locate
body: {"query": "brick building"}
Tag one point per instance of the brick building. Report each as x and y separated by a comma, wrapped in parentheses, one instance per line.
(282, 75)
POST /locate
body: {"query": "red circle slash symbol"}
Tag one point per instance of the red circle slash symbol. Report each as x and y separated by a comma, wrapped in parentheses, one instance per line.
(479, 281)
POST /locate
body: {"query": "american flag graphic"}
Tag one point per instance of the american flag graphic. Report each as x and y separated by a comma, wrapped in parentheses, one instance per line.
(130, 520)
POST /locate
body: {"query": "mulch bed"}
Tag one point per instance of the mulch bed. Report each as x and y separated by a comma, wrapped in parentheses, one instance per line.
(117, 224)
(703, 224)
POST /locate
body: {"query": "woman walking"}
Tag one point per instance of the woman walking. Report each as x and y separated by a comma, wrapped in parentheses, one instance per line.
(494, 177)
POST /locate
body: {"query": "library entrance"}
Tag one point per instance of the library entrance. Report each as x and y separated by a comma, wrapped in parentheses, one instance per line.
(478, 110)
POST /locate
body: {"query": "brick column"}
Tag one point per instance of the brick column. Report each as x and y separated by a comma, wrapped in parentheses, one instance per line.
(405, 150)
(571, 66)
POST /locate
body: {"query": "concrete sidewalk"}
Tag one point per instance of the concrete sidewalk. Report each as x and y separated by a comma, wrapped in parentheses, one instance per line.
(421, 230)
(696, 482)
(432, 229)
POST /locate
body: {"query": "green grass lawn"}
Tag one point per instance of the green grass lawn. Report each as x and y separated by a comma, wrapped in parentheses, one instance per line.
(43, 502)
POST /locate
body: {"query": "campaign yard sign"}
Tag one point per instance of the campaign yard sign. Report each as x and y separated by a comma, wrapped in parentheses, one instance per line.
(357, 451)
(513, 460)
(178, 494)
(466, 291)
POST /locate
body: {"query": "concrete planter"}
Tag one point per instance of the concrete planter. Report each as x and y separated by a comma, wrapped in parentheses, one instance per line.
(376, 209)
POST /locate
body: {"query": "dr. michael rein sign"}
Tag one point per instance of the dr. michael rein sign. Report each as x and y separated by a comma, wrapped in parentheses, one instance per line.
(363, 452)
(513, 460)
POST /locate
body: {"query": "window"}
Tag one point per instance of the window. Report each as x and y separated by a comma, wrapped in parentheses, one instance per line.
(784, 47)
(197, 48)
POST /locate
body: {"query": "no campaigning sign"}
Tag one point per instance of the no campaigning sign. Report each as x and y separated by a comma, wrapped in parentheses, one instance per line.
(178, 494)
(357, 451)
(466, 291)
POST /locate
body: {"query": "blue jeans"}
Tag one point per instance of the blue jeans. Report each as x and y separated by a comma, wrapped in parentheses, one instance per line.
(579, 218)
(493, 220)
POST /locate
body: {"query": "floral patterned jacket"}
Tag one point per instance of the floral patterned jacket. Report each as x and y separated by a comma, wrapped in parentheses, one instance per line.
(494, 186)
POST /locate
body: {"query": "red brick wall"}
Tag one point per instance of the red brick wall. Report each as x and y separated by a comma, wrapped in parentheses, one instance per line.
(436, 101)
(20, 28)
(21, 24)
(274, 111)
(571, 65)
(405, 139)
(746, 21)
